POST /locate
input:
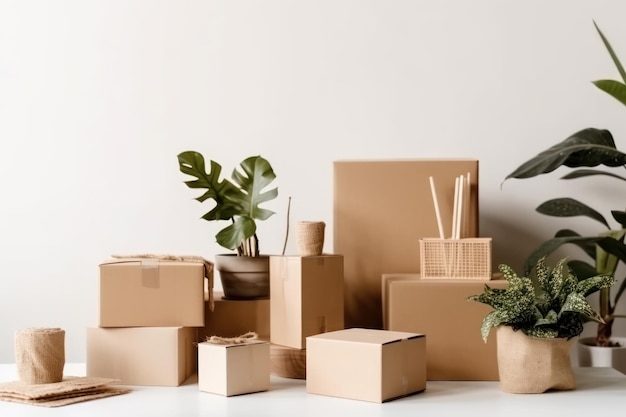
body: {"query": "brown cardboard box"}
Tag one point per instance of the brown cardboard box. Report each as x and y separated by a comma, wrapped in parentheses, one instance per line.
(306, 294)
(147, 292)
(164, 356)
(381, 210)
(366, 364)
(232, 318)
(234, 369)
(439, 309)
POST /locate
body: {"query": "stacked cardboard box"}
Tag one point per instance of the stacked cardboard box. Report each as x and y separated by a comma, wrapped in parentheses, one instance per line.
(306, 298)
(149, 314)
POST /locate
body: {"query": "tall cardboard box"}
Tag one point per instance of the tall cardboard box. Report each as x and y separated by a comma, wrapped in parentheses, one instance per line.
(232, 318)
(163, 356)
(150, 292)
(306, 297)
(381, 210)
(439, 309)
(234, 369)
(366, 364)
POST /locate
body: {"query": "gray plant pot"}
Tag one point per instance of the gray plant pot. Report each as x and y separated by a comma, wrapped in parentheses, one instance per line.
(244, 277)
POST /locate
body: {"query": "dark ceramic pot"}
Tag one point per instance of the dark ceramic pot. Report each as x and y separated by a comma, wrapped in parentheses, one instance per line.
(244, 277)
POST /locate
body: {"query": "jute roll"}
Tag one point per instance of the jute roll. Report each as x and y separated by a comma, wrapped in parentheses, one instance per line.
(40, 355)
(310, 237)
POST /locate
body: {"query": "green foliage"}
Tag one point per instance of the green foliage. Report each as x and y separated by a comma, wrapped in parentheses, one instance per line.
(550, 304)
(237, 200)
(589, 147)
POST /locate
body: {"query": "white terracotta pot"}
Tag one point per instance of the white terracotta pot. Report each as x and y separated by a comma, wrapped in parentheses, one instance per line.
(611, 357)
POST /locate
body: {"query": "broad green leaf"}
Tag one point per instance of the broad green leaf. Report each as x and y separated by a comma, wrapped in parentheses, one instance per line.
(611, 52)
(569, 207)
(589, 147)
(232, 236)
(580, 173)
(490, 321)
(613, 88)
(551, 245)
(620, 217)
(582, 269)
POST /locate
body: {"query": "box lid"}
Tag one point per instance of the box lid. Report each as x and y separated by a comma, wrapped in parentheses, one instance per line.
(361, 335)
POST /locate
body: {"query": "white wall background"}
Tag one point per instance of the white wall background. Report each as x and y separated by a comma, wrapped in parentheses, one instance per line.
(98, 97)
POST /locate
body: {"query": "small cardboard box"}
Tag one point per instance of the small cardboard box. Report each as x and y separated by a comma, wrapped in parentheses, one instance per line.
(234, 369)
(439, 309)
(379, 231)
(306, 294)
(163, 356)
(147, 292)
(366, 364)
(232, 318)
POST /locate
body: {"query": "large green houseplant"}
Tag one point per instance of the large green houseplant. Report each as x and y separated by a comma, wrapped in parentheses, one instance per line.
(605, 250)
(236, 202)
(537, 316)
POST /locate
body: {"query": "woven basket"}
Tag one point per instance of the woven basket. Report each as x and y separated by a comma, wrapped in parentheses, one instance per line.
(455, 258)
(310, 237)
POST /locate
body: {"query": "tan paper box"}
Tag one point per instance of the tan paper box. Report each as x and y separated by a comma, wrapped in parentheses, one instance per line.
(234, 369)
(306, 297)
(439, 309)
(164, 356)
(146, 292)
(366, 364)
(232, 318)
(381, 210)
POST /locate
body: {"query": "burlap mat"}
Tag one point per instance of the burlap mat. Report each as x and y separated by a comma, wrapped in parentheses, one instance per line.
(69, 391)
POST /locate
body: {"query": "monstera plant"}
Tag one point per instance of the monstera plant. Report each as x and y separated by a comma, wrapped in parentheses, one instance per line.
(590, 147)
(236, 202)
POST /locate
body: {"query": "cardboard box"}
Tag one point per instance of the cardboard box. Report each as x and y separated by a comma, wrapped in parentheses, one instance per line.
(164, 356)
(234, 369)
(147, 292)
(366, 364)
(439, 309)
(381, 210)
(306, 294)
(232, 318)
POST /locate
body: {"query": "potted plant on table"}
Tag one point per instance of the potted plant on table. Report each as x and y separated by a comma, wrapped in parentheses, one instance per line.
(589, 147)
(536, 318)
(244, 274)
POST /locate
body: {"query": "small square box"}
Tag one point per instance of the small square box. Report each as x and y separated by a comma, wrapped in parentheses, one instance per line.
(366, 364)
(306, 297)
(234, 369)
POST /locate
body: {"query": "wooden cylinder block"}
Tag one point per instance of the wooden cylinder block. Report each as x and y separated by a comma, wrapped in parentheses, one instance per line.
(287, 362)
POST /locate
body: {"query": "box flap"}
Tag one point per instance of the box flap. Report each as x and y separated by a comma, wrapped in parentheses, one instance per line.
(374, 336)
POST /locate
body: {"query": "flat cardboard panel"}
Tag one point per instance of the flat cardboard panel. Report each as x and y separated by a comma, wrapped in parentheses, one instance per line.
(439, 309)
(306, 294)
(366, 364)
(234, 369)
(381, 210)
(232, 318)
(151, 293)
(163, 356)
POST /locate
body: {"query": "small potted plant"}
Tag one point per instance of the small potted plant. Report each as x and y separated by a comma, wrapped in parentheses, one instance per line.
(244, 274)
(604, 251)
(537, 317)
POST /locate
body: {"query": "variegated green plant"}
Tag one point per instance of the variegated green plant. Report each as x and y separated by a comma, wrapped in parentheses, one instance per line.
(551, 303)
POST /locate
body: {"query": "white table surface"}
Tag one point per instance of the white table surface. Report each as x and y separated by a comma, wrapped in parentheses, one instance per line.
(598, 390)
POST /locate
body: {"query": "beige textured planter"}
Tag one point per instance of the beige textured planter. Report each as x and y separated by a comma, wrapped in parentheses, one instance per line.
(310, 238)
(529, 365)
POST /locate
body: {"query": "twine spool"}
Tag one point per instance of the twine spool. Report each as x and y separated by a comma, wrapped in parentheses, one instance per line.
(310, 237)
(40, 355)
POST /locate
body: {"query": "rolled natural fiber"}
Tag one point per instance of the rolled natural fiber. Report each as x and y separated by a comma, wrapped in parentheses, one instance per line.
(238, 340)
(40, 355)
(310, 237)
